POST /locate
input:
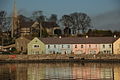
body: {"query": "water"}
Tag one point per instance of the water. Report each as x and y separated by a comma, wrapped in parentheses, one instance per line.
(60, 71)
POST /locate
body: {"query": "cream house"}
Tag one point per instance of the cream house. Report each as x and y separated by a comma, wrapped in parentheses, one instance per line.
(116, 46)
(36, 47)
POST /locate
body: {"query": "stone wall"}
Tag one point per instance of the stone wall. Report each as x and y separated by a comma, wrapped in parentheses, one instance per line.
(58, 56)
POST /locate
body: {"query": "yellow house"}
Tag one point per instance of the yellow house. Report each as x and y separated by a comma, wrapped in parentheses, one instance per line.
(36, 47)
(116, 46)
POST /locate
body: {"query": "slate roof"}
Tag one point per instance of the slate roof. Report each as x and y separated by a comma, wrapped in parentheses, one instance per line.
(26, 24)
(79, 40)
(49, 24)
(26, 37)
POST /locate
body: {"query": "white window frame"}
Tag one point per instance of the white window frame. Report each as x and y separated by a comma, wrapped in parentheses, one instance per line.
(37, 45)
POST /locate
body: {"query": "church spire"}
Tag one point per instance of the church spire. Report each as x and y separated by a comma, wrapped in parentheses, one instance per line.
(14, 21)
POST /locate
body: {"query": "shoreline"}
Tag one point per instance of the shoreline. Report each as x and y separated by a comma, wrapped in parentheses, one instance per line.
(61, 58)
(63, 61)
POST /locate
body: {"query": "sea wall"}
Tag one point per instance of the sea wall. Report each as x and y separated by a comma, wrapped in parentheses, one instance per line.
(61, 58)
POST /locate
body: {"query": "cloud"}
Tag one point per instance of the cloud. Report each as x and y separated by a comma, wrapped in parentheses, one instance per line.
(109, 20)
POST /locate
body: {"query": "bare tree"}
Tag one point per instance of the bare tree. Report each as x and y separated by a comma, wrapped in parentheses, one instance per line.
(53, 18)
(80, 21)
(66, 21)
(38, 16)
(77, 22)
(2, 19)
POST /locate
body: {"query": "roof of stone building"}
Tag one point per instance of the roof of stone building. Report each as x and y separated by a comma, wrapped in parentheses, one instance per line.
(25, 37)
(49, 24)
(26, 24)
(46, 24)
(79, 40)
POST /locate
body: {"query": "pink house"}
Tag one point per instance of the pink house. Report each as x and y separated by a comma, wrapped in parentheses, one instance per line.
(86, 48)
(79, 48)
(92, 48)
(91, 45)
(86, 45)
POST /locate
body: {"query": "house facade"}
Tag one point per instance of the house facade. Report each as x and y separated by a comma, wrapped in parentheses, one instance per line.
(78, 48)
(58, 48)
(92, 48)
(94, 45)
(24, 25)
(76, 45)
(116, 47)
(86, 48)
(21, 44)
(50, 46)
(49, 27)
(106, 48)
(57, 45)
(36, 47)
(24, 31)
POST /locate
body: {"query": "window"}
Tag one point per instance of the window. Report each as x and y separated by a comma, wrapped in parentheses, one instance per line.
(103, 46)
(21, 48)
(48, 46)
(90, 52)
(110, 46)
(62, 46)
(81, 46)
(96, 46)
(68, 46)
(89, 46)
(37, 52)
(104, 51)
(36, 46)
(108, 51)
(54, 46)
(75, 46)
(94, 52)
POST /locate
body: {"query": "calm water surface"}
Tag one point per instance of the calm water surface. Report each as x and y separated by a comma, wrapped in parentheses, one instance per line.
(60, 71)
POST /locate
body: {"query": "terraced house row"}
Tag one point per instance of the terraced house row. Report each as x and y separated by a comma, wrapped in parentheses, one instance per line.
(70, 45)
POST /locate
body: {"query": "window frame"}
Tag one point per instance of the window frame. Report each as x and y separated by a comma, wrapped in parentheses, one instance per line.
(75, 46)
(81, 46)
(36, 46)
(103, 46)
(48, 46)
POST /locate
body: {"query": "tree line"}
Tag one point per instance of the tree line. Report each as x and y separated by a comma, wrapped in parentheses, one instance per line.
(76, 23)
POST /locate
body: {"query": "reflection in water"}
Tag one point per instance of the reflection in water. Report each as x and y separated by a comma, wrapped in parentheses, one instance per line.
(92, 71)
(60, 71)
(36, 71)
(117, 72)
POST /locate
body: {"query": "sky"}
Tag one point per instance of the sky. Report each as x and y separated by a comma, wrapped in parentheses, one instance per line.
(60, 7)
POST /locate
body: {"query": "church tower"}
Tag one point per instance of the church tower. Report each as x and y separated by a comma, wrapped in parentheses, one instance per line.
(15, 22)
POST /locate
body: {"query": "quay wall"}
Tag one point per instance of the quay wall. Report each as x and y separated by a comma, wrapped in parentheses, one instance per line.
(61, 58)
